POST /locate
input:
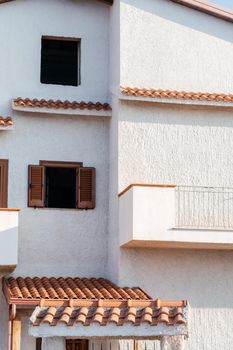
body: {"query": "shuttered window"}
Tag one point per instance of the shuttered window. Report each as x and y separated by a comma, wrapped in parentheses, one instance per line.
(61, 185)
(3, 183)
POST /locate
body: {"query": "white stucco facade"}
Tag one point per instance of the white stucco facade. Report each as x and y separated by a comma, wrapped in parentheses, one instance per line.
(176, 48)
(149, 43)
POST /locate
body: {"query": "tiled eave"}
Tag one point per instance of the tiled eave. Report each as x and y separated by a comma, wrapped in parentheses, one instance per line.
(6, 123)
(176, 97)
(129, 323)
(62, 107)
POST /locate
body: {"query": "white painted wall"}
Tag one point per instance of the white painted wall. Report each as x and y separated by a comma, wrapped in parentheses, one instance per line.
(55, 242)
(166, 45)
(23, 22)
(72, 241)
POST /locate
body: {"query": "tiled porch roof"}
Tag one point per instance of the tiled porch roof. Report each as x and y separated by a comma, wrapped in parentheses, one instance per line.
(103, 316)
(87, 301)
(34, 289)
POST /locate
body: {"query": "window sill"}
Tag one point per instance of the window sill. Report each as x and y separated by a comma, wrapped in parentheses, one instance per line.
(61, 209)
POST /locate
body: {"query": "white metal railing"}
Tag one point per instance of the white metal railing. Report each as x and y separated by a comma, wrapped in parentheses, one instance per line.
(204, 207)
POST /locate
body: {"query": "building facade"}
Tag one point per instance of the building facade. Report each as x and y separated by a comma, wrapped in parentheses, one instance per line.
(134, 187)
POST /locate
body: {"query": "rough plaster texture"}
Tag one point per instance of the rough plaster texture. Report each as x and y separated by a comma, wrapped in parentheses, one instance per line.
(174, 47)
(172, 343)
(178, 145)
(53, 343)
(191, 146)
(203, 277)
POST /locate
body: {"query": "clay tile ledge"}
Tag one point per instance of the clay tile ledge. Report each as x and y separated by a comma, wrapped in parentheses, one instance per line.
(62, 107)
(177, 97)
(6, 123)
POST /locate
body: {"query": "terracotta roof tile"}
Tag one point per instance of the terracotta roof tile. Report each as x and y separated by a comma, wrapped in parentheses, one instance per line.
(181, 95)
(5, 122)
(103, 316)
(58, 104)
(69, 288)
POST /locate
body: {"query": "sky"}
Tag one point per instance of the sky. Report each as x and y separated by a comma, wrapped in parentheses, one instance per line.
(226, 3)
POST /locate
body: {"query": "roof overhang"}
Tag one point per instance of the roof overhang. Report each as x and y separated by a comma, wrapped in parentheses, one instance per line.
(111, 330)
(107, 2)
(209, 8)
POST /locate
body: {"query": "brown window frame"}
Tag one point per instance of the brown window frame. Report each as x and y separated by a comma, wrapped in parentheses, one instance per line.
(73, 342)
(85, 183)
(4, 164)
(57, 164)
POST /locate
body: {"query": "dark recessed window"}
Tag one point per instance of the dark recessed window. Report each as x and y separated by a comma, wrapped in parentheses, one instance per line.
(60, 188)
(60, 61)
(61, 185)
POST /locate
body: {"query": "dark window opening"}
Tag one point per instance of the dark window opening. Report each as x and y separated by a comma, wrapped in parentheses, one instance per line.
(60, 62)
(76, 344)
(60, 187)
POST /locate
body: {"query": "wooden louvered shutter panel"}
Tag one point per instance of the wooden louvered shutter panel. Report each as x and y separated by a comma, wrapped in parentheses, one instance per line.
(86, 188)
(36, 186)
(3, 183)
(69, 345)
(38, 343)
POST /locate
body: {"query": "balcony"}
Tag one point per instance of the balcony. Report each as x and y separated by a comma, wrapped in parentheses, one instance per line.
(8, 239)
(169, 216)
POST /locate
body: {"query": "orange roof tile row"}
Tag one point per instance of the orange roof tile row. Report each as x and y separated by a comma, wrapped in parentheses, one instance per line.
(183, 95)
(58, 104)
(104, 316)
(70, 288)
(6, 121)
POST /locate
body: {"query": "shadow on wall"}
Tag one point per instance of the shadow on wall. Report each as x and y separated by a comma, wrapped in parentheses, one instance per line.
(186, 17)
(169, 114)
(203, 277)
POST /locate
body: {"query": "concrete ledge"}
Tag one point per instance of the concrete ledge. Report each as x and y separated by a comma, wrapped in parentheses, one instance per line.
(69, 111)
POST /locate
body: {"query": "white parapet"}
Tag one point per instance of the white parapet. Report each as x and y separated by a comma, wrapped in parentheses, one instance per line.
(146, 210)
(9, 223)
(147, 219)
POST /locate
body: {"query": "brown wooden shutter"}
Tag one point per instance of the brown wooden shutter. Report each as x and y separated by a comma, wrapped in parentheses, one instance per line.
(38, 343)
(86, 188)
(3, 182)
(36, 185)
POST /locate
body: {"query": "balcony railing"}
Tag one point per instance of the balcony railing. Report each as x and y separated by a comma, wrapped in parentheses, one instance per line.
(204, 207)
